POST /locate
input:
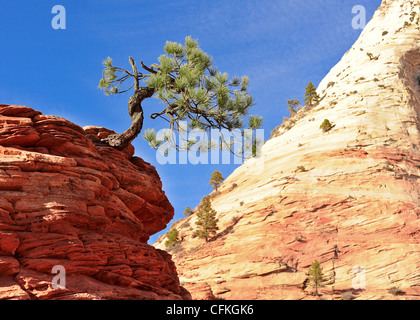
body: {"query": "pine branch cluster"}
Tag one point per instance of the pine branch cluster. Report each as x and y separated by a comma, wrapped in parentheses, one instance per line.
(192, 90)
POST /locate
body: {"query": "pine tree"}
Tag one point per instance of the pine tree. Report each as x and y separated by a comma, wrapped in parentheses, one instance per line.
(255, 122)
(172, 237)
(188, 211)
(311, 97)
(216, 179)
(316, 275)
(192, 90)
(291, 105)
(206, 219)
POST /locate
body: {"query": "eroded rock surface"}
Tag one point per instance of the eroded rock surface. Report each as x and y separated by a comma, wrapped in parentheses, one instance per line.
(349, 198)
(89, 208)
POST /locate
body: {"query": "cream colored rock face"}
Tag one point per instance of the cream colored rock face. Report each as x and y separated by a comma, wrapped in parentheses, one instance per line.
(357, 201)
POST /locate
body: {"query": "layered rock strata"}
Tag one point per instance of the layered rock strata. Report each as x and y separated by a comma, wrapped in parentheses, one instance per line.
(90, 209)
(349, 197)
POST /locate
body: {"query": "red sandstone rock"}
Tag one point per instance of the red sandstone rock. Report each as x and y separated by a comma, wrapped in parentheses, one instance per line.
(202, 291)
(90, 208)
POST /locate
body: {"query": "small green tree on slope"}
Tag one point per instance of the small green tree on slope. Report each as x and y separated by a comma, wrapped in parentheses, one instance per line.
(206, 219)
(191, 89)
(316, 275)
(291, 105)
(172, 237)
(311, 97)
(216, 179)
(188, 211)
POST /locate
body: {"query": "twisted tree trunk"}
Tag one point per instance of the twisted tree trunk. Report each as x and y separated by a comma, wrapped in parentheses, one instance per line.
(135, 110)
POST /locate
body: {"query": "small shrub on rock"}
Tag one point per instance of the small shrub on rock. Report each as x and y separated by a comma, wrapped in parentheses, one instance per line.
(396, 291)
(172, 237)
(348, 295)
(326, 126)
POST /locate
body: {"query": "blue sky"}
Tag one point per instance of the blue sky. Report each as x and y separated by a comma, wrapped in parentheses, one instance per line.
(280, 45)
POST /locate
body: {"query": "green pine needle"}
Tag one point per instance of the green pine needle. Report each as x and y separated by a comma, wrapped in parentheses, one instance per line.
(107, 63)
